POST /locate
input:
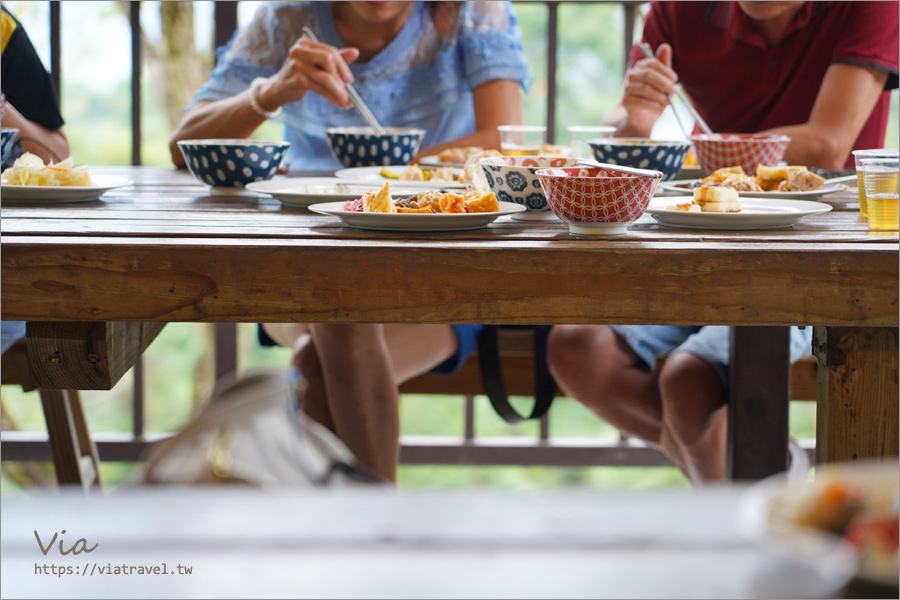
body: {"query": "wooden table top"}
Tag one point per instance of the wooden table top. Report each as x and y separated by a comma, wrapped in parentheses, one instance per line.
(165, 250)
(244, 543)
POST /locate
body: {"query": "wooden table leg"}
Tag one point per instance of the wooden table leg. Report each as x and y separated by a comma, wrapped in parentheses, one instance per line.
(758, 405)
(857, 399)
(74, 453)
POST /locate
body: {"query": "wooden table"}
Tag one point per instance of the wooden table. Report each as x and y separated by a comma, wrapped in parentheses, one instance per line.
(165, 250)
(244, 543)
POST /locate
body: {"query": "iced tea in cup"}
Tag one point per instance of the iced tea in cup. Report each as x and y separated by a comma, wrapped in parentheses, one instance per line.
(881, 177)
(522, 140)
(859, 155)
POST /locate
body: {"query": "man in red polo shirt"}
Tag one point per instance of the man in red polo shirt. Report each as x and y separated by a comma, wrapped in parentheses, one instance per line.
(816, 71)
(819, 72)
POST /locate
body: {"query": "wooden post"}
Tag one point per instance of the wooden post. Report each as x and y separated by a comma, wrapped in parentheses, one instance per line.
(759, 396)
(857, 410)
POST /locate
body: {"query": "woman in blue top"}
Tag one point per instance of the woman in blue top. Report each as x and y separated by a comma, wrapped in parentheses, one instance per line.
(451, 68)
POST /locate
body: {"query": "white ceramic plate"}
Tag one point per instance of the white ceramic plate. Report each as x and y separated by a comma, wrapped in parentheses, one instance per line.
(48, 194)
(678, 186)
(303, 191)
(755, 214)
(415, 222)
(373, 175)
(768, 510)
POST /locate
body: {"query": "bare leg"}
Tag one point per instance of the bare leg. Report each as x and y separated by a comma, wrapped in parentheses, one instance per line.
(592, 364)
(694, 409)
(361, 393)
(352, 374)
(596, 367)
(315, 401)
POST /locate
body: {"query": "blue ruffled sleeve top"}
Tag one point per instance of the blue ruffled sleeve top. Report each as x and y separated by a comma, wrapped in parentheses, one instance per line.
(424, 78)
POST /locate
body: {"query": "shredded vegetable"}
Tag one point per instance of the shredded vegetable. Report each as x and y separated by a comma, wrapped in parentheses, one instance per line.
(31, 170)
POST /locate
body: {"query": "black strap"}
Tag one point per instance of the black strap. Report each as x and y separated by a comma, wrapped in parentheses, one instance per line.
(492, 378)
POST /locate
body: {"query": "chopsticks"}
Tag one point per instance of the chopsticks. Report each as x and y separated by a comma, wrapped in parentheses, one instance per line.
(648, 52)
(621, 168)
(354, 96)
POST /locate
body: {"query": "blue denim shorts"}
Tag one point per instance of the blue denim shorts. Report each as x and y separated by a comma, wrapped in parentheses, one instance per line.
(709, 342)
(467, 336)
(10, 333)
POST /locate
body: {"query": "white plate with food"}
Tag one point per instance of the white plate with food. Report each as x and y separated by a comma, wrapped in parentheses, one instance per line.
(415, 222)
(53, 194)
(303, 191)
(685, 187)
(754, 214)
(844, 522)
(392, 174)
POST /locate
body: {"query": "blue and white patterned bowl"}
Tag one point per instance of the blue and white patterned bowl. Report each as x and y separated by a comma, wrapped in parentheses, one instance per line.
(7, 140)
(643, 153)
(232, 163)
(512, 179)
(362, 147)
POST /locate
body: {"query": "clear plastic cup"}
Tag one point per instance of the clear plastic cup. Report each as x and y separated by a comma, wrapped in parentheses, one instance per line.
(881, 177)
(522, 140)
(859, 155)
(580, 134)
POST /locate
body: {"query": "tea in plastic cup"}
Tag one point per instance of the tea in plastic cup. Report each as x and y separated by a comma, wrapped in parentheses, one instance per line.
(881, 177)
(522, 140)
(859, 155)
(580, 134)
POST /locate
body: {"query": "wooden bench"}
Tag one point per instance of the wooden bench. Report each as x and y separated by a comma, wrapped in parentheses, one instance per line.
(517, 364)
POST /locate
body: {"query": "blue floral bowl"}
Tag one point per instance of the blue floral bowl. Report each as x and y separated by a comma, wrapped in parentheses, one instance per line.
(362, 147)
(643, 153)
(232, 163)
(512, 179)
(7, 141)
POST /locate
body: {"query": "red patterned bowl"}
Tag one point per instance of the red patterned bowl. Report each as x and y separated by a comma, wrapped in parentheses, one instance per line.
(597, 201)
(733, 149)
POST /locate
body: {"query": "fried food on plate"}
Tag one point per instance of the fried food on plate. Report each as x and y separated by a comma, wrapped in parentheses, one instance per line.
(717, 199)
(31, 170)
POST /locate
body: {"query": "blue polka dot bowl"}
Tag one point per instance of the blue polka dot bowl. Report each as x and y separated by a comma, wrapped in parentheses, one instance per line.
(229, 164)
(7, 141)
(512, 179)
(362, 147)
(643, 153)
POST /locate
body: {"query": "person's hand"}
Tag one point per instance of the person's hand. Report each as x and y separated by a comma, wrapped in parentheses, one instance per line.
(646, 89)
(310, 67)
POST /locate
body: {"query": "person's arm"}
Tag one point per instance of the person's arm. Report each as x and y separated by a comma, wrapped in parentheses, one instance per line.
(497, 102)
(310, 66)
(49, 145)
(644, 95)
(844, 103)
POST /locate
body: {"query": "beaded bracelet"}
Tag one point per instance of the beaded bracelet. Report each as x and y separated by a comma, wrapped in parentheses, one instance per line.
(254, 104)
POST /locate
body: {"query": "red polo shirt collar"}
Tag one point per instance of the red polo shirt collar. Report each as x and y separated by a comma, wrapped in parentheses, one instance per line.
(730, 17)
